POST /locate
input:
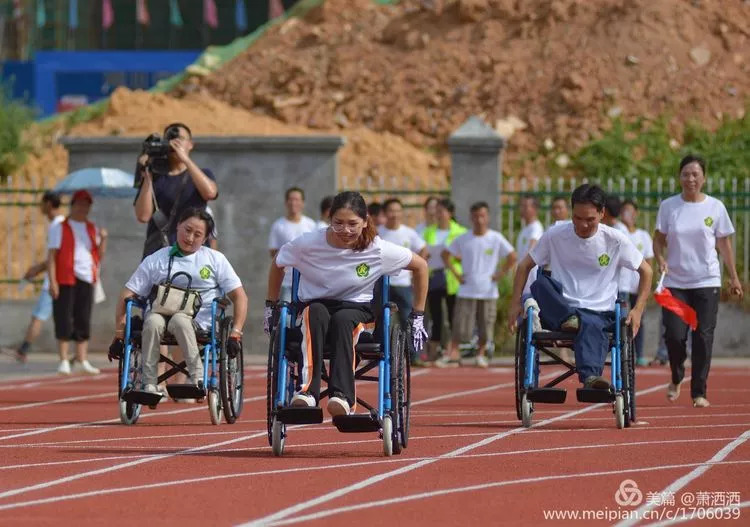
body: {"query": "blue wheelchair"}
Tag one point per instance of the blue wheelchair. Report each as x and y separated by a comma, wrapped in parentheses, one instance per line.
(530, 346)
(385, 350)
(222, 383)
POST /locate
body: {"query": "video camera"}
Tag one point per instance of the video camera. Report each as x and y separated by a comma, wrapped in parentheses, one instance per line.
(157, 149)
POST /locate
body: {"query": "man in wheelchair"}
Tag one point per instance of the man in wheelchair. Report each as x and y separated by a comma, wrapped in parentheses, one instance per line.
(585, 258)
(339, 267)
(201, 270)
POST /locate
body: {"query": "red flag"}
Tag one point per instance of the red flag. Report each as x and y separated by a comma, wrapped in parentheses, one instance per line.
(141, 13)
(108, 14)
(210, 14)
(664, 298)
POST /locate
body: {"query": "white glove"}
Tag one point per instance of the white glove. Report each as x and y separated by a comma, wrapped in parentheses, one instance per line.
(418, 332)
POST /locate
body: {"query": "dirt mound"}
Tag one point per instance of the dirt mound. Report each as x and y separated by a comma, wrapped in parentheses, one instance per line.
(367, 156)
(563, 66)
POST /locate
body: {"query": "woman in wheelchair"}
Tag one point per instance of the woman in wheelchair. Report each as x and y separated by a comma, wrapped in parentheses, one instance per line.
(211, 275)
(339, 267)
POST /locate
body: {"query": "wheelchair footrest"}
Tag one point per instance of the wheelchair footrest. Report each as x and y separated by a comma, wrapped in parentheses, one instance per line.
(185, 391)
(588, 395)
(141, 397)
(300, 416)
(356, 423)
(547, 395)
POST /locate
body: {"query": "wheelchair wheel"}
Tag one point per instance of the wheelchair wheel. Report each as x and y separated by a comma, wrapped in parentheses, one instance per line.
(388, 439)
(231, 376)
(627, 361)
(130, 412)
(520, 362)
(620, 412)
(527, 409)
(278, 434)
(400, 389)
(272, 383)
(214, 406)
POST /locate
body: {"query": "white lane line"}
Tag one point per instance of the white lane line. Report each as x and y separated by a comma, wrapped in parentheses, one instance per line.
(25, 406)
(55, 381)
(458, 424)
(689, 517)
(687, 478)
(274, 472)
(294, 509)
(120, 466)
(38, 431)
(484, 486)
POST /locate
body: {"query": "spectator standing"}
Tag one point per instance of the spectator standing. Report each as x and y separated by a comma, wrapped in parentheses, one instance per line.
(559, 209)
(376, 212)
(287, 228)
(76, 248)
(628, 282)
(325, 212)
(480, 252)
(443, 285)
(430, 214)
(530, 234)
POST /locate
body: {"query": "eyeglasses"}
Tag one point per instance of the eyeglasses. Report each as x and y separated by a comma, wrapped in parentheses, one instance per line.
(341, 227)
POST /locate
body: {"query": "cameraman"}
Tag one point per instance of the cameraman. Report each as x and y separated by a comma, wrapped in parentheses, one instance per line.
(169, 188)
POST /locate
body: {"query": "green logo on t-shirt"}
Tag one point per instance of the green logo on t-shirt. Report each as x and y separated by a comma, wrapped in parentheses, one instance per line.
(709, 221)
(604, 260)
(205, 272)
(488, 252)
(363, 270)
(640, 247)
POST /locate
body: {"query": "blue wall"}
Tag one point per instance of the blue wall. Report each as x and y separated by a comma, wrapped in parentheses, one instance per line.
(92, 74)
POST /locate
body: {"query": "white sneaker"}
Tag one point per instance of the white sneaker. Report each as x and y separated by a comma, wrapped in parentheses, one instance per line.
(64, 367)
(338, 406)
(482, 362)
(303, 400)
(88, 368)
(536, 324)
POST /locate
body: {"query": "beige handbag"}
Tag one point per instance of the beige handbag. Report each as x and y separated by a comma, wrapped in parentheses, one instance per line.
(167, 299)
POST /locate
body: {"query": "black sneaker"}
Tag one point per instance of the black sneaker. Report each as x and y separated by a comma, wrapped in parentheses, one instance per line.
(596, 383)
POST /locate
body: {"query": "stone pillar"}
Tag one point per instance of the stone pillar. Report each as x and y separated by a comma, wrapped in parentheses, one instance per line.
(476, 155)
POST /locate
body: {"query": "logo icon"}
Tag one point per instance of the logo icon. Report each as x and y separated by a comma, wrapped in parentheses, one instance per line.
(604, 260)
(363, 270)
(488, 252)
(628, 494)
(709, 221)
(205, 272)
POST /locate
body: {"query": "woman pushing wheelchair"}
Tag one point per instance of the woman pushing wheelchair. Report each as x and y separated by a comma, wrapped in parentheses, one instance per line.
(339, 267)
(206, 273)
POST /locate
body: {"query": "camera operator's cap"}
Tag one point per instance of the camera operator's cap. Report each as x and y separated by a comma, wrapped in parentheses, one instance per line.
(82, 194)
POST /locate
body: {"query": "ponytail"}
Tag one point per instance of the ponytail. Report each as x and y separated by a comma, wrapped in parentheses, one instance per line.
(367, 235)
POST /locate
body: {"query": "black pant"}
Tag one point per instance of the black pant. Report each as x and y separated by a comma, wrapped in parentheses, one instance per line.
(336, 325)
(72, 311)
(435, 303)
(705, 301)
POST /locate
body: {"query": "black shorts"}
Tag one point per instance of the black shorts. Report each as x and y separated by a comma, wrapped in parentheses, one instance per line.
(72, 311)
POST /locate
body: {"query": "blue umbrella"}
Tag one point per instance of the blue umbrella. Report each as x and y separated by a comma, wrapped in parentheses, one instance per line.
(101, 182)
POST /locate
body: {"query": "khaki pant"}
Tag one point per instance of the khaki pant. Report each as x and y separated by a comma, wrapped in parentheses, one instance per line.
(179, 325)
(471, 313)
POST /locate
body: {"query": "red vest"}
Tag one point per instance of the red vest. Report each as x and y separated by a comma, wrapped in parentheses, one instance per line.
(65, 254)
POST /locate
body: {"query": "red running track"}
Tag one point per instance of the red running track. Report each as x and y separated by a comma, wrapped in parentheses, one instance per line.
(65, 458)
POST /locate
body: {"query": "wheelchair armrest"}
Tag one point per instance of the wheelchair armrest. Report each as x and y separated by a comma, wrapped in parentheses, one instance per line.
(137, 301)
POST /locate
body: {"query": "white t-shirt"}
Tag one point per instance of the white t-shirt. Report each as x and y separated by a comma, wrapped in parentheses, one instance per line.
(421, 226)
(55, 221)
(283, 231)
(620, 226)
(629, 280)
(691, 230)
(435, 260)
(531, 232)
(210, 270)
(479, 258)
(405, 237)
(340, 274)
(587, 268)
(83, 261)
(322, 224)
